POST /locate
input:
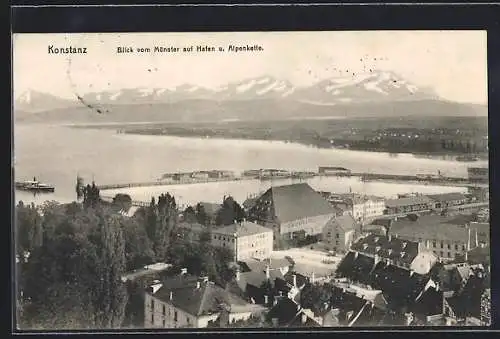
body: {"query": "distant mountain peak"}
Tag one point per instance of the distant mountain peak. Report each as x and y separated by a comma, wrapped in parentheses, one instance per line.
(372, 86)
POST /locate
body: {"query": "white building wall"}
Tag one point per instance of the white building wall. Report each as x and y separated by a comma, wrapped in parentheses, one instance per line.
(257, 246)
(158, 314)
(446, 249)
(311, 225)
(368, 210)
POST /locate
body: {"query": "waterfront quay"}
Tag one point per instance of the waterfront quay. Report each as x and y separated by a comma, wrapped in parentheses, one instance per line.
(192, 178)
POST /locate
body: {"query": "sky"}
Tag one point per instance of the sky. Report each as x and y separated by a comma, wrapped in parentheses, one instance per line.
(452, 63)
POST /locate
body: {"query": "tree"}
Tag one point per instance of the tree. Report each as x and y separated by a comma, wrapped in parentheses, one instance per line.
(230, 212)
(201, 215)
(77, 271)
(190, 215)
(122, 202)
(138, 246)
(28, 229)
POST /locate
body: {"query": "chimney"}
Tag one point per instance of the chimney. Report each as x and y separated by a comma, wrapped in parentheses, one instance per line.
(304, 318)
(294, 280)
(468, 240)
(266, 299)
(171, 295)
(268, 271)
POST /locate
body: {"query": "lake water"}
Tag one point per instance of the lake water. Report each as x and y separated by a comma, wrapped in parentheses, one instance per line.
(56, 154)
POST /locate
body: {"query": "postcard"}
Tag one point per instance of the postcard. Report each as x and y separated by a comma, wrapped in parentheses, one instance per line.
(256, 180)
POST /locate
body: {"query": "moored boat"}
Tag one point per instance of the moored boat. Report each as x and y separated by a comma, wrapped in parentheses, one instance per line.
(34, 186)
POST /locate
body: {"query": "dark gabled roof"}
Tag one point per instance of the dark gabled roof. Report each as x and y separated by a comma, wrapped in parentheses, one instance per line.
(298, 201)
(285, 311)
(396, 249)
(301, 279)
(479, 255)
(356, 268)
(398, 286)
(446, 197)
(408, 201)
(429, 303)
(243, 229)
(430, 227)
(207, 299)
(468, 302)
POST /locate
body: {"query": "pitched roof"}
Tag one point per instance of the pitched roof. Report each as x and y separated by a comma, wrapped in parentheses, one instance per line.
(396, 249)
(430, 227)
(196, 301)
(345, 222)
(408, 201)
(285, 311)
(445, 197)
(301, 279)
(479, 255)
(298, 201)
(243, 229)
(261, 265)
(257, 278)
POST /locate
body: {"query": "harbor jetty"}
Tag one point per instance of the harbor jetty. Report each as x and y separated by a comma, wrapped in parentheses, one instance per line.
(200, 177)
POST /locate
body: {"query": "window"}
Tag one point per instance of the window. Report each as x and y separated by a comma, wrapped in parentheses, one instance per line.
(434, 244)
(152, 305)
(441, 254)
(456, 247)
(442, 244)
(187, 320)
(163, 322)
(164, 310)
(337, 235)
(152, 318)
(175, 315)
(449, 254)
(449, 246)
(337, 243)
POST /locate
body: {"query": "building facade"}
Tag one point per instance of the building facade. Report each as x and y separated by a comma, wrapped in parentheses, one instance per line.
(291, 211)
(246, 240)
(410, 204)
(339, 234)
(190, 302)
(437, 234)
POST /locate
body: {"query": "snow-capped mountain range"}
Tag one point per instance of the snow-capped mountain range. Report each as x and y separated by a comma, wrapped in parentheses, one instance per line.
(379, 86)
